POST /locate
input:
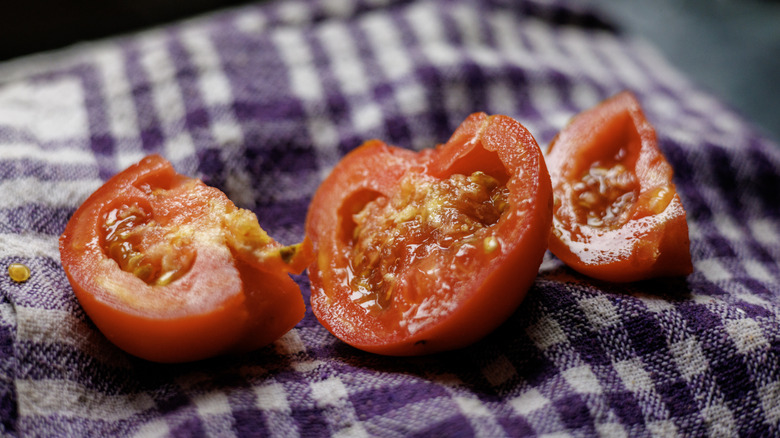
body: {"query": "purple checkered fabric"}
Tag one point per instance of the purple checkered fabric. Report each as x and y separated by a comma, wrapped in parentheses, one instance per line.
(261, 101)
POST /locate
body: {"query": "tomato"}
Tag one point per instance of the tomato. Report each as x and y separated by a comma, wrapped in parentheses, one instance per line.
(617, 215)
(424, 252)
(170, 270)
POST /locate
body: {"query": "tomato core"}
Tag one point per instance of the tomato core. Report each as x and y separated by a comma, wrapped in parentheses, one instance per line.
(423, 217)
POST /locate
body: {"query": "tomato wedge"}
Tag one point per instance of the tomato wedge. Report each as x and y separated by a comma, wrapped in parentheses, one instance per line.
(617, 215)
(170, 270)
(424, 252)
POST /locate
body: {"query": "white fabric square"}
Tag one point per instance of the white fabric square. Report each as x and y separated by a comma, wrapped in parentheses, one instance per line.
(582, 379)
(51, 111)
(758, 270)
(689, 358)
(528, 402)
(76, 400)
(746, 334)
(599, 311)
(272, 397)
(720, 419)
(765, 231)
(304, 78)
(769, 395)
(344, 58)
(662, 428)
(472, 407)
(329, 392)
(294, 12)
(655, 304)
(385, 40)
(634, 376)
(546, 333)
(611, 430)
(290, 343)
(211, 403)
(117, 91)
(712, 269)
(250, 23)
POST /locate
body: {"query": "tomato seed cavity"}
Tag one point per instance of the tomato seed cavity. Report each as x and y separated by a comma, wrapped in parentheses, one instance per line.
(128, 230)
(605, 194)
(424, 218)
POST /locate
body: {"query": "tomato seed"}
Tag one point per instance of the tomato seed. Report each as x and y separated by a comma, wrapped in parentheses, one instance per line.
(490, 244)
(660, 198)
(18, 272)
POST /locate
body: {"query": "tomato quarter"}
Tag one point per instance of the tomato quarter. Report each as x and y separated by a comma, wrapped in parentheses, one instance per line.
(617, 215)
(170, 270)
(424, 252)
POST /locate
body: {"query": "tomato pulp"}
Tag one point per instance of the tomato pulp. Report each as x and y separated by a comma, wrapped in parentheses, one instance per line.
(617, 215)
(170, 270)
(424, 252)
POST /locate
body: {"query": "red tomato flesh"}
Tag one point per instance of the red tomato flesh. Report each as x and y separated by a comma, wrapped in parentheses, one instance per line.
(617, 214)
(171, 271)
(430, 251)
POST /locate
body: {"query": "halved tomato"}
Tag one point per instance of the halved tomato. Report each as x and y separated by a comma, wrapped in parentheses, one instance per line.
(170, 270)
(617, 214)
(425, 252)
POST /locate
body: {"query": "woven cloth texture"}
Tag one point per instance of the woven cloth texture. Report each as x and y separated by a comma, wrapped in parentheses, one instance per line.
(261, 101)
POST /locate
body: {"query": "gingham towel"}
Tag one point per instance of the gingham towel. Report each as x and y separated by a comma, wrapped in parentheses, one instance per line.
(261, 101)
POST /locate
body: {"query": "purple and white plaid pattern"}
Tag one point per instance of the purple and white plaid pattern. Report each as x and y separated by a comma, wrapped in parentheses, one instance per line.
(261, 101)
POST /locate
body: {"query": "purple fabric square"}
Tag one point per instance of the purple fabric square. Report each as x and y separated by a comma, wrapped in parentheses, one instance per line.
(626, 407)
(575, 414)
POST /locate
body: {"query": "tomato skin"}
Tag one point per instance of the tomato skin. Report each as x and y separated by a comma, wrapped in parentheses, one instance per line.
(227, 300)
(652, 239)
(456, 308)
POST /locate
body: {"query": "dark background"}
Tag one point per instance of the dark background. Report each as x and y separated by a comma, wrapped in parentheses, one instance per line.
(728, 47)
(29, 26)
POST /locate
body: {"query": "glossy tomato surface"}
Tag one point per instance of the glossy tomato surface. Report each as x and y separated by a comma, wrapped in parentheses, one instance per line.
(617, 214)
(170, 270)
(424, 252)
